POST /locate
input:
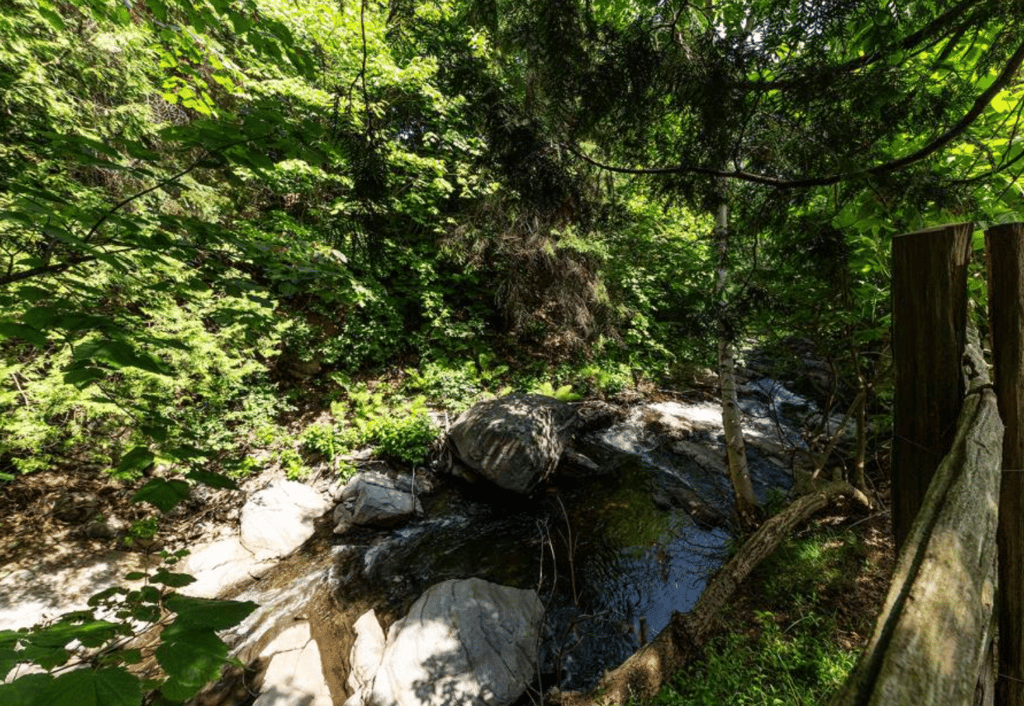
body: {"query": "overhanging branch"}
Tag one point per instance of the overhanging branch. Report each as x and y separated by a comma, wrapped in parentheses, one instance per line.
(980, 103)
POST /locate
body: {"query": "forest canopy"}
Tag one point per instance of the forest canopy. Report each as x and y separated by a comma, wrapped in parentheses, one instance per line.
(206, 205)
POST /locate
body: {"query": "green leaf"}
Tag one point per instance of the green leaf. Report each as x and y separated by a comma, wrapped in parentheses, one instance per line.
(135, 460)
(33, 294)
(165, 577)
(40, 316)
(55, 20)
(26, 690)
(24, 332)
(82, 377)
(213, 480)
(85, 322)
(121, 354)
(164, 494)
(186, 453)
(8, 655)
(157, 433)
(191, 658)
(208, 613)
(112, 686)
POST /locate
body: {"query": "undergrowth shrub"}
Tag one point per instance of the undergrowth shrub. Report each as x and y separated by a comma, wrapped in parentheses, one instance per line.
(404, 435)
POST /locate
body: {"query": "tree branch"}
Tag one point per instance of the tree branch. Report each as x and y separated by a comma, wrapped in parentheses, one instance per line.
(938, 25)
(980, 103)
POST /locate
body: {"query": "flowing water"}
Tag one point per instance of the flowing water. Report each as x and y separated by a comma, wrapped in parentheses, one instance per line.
(609, 558)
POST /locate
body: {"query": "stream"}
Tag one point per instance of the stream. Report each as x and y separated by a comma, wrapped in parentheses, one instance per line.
(609, 553)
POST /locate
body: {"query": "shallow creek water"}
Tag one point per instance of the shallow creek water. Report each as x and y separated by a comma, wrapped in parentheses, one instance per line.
(608, 559)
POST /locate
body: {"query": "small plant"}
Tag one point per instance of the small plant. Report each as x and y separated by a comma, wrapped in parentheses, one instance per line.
(453, 386)
(405, 434)
(244, 467)
(321, 439)
(790, 665)
(562, 394)
(85, 655)
(775, 502)
(292, 465)
(607, 377)
(189, 654)
(141, 531)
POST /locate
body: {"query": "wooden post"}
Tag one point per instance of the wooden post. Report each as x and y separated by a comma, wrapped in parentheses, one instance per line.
(929, 315)
(1004, 247)
(932, 639)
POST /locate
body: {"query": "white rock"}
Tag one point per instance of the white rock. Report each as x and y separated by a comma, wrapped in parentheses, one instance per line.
(295, 674)
(220, 565)
(279, 518)
(464, 642)
(367, 652)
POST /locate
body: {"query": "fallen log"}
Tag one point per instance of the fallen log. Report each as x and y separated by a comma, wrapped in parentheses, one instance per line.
(650, 667)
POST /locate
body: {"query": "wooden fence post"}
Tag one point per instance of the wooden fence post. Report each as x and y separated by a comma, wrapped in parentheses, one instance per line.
(1004, 246)
(929, 316)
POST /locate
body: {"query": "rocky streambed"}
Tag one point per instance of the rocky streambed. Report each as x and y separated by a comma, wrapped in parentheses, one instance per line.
(457, 586)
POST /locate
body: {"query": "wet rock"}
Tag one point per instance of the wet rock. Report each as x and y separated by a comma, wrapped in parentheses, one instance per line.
(376, 500)
(342, 518)
(702, 513)
(595, 415)
(220, 565)
(666, 427)
(704, 457)
(463, 642)
(279, 518)
(516, 441)
(575, 463)
(294, 675)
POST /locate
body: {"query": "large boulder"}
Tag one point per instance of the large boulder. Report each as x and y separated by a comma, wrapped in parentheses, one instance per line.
(279, 518)
(464, 642)
(515, 441)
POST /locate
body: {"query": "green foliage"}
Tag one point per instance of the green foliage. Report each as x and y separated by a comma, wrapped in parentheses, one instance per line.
(292, 464)
(562, 393)
(457, 386)
(789, 665)
(810, 567)
(404, 434)
(189, 653)
(143, 530)
(321, 439)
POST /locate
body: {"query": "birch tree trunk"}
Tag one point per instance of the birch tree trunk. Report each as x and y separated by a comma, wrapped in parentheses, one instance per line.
(739, 475)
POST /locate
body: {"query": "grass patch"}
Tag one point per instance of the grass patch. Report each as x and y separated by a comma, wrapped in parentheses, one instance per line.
(772, 664)
(786, 639)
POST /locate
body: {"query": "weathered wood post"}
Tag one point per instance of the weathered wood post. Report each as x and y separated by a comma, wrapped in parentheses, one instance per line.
(1004, 247)
(929, 312)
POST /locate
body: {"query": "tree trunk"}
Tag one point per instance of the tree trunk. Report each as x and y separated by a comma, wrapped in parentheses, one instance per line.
(929, 292)
(650, 667)
(1005, 250)
(739, 475)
